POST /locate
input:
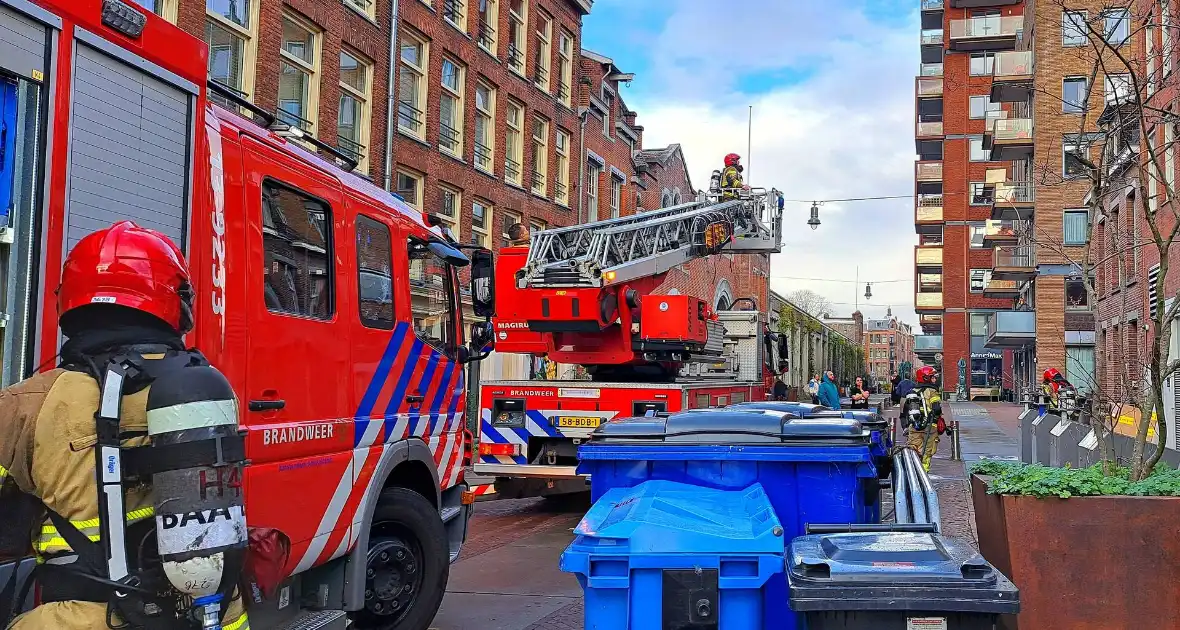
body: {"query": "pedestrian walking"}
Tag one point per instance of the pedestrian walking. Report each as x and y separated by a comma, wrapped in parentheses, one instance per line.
(829, 396)
(813, 389)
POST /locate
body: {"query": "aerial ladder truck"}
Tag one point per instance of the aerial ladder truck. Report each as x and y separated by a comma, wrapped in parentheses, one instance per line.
(585, 295)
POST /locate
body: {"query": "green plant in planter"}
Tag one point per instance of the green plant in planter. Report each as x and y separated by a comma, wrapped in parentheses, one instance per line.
(1040, 481)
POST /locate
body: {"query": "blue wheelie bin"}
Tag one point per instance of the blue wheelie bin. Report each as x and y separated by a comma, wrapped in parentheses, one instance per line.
(670, 555)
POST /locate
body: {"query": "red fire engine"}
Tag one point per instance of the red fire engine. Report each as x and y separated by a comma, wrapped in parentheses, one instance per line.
(583, 295)
(332, 306)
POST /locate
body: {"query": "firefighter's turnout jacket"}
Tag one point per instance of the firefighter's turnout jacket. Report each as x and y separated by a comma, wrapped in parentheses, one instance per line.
(925, 440)
(731, 182)
(47, 435)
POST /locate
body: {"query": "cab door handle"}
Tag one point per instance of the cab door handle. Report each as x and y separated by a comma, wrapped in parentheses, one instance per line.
(412, 399)
(267, 405)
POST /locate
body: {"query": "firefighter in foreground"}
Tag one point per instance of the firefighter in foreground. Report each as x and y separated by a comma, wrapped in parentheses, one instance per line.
(156, 538)
(921, 412)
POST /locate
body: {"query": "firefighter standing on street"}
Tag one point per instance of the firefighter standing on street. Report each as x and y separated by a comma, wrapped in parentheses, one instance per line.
(125, 376)
(924, 436)
(731, 178)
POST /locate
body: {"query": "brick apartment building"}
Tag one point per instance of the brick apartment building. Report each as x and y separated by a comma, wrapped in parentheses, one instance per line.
(888, 343)
(499, 115)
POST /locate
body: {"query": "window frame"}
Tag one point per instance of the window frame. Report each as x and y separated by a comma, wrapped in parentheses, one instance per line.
(565, 68)
(313, 70)
(971, 139)
(420, 181)
(505, 215)
(989, 62)
(486, 36)
(1123, 23)
(458, 94)
(454, 12)
(608, 101)
(514, 155)
(365, 121)
(983, 190)
(616, 197)
(376, 324)
(421, 73)
(482, 236)
(561, 191)
(249, 36)
(984, 276)
(593, 176)
(454, 220)
(518, 21)
(1066, 216)
(450, 330)
(488, 115)
(974, 227)
(540, 148)
(1113, 84)
(329, 235)
(367, 8)
(988, 106)
(1069, 107)
(543, 75)
(1083, 148)
(1080, 28)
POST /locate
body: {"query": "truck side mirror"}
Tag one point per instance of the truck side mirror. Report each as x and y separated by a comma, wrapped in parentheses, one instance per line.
(483, 288)
(481, 343)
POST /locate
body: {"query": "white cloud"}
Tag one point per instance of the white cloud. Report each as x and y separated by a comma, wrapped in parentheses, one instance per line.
(846, 131)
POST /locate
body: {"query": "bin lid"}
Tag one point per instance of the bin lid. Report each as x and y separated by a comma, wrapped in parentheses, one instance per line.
(894, 571)
(867, 418)
(669, 517)
(728, 426)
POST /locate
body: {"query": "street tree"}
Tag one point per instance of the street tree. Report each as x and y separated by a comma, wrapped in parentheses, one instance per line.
(810, 302)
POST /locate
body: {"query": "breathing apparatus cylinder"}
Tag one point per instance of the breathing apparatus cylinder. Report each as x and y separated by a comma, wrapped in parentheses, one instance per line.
(200, 520)
(715, 182)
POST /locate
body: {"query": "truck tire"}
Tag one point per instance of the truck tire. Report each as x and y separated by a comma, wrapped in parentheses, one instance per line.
(408, 563)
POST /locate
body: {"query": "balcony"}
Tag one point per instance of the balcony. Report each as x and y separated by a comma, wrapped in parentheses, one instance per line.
(932, 5)
(929, 130)
(928, 259)
(930, 86)
(928, 214)
(1011, 139)
(927, 347)
(1007, 289)
(930, 322)
(931, 70)
(1012, 76)
(1014, 200)
(1011, 329)
(986, 33)
(928, 171)
(1015, 262)
(1002, 232)
(928, 302)
(973, 4)
(932, 37)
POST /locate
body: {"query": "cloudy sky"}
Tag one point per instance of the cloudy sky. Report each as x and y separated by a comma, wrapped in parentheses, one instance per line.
(832, 86)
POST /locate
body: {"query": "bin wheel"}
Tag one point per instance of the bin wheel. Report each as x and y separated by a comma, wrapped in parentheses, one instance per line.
(407, 564)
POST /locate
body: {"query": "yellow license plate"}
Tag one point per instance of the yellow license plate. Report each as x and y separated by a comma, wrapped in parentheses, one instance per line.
(578, 422)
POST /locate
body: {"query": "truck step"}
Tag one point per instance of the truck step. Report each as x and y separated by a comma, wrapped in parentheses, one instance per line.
(319, 620)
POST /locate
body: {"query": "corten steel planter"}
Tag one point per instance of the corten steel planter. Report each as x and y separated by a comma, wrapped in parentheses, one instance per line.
(1084, 563)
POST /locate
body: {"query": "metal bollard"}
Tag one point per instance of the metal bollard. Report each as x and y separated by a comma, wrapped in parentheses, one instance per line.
(956, 445)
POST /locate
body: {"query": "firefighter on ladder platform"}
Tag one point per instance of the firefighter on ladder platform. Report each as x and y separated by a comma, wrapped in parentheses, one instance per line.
(731, 177)
(131, 446)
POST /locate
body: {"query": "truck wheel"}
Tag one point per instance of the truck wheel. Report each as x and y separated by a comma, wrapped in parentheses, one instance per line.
(408, 563)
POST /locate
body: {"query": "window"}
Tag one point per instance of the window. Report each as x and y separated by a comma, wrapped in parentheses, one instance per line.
(981, 105)
(368, 8)
(593, 174)
(513, 147)
(230, 29)
(561, 182)
(450, 108)
(543, 59)
(517, 16)
(1166, 41)
(374, 262)
(616, 196)
(455, 13)
(1117, 26)
(537, 225)
(1149, 53)
(977, 232)
(1074, 150)
(540, 154)
(982, 194)
(565, 67)
(485, 128)
(411, 88)
(609, 100)
(979, 278)
(430, 302)
(481, 222)
(166, 9)
(296, 244)
(1118, 88)
(352, 125)
(979, 324)
(299, 63)
(1075, 294)
(448, 212)
(1076, 224)
(508, 218)
(409, 188)
(1073, 95)
(978, 153)
(1170, 158)
(1079, 366)
(982, 64)
(489, 15)
(1073, 28)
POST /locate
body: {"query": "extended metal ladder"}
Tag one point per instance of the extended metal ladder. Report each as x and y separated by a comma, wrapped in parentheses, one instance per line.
(619, 250)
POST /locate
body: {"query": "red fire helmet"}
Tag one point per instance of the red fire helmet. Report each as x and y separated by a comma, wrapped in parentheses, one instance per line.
(1052, 375)
(128, 266)
(732, 159)
(926, 375)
